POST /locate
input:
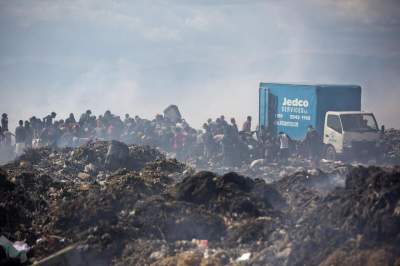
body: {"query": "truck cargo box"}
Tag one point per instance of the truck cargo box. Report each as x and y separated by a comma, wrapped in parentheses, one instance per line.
(291, 108)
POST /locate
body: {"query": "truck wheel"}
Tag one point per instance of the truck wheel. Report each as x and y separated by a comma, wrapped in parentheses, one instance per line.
(330, 153)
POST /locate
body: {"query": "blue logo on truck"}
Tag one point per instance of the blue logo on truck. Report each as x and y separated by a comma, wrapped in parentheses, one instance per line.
(294, 110)
(296, 105)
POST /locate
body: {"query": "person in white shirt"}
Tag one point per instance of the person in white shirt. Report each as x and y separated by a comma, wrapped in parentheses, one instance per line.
(284, 140)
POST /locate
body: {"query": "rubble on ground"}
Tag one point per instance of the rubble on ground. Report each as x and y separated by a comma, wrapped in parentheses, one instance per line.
(356, 217)
(106, 203)
(391, 146)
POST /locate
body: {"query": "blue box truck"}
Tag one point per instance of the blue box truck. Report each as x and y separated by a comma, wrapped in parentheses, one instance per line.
(330, 109)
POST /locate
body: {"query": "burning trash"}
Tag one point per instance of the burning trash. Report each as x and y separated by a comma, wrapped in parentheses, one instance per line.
(148, 209)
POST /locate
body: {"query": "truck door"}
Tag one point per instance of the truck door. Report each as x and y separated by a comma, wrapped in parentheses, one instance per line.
(272, 113)
(268, 107)
(263, 112)
(333, 132)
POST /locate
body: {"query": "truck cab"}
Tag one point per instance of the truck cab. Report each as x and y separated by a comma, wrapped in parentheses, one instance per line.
(350, 135)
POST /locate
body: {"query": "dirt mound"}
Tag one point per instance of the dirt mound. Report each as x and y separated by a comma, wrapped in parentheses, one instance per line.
(5, 184)
(391, 146)
(160, 218)
(368, 204)
(22, 203)
(304, 189)
(114, 155)
(35, 155)
(189, 258)
(51, 201)
(253, 230)
(149, 210)
(92, 158)
(365, 210)
(164, 171)
(168, 166)
(367, 257)
(100, 204)
(229, 194)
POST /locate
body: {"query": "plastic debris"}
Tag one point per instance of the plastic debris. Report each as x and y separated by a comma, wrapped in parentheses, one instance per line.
(16, 250)
(244, 257)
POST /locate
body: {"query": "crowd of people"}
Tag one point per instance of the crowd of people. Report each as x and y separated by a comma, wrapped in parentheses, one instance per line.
(217, 141)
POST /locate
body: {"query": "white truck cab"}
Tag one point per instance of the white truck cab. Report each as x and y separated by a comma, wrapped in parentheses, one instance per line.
(350, 134)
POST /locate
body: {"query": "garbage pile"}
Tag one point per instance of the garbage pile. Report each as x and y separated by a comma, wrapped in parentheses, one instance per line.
(107, 203)
(391, 146)
(358, 223)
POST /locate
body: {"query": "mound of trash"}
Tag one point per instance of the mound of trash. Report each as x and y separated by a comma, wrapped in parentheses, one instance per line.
(361, 217)
(106, 203)
(92, 158)
(391, 146)
(86, 201)
(230, 193)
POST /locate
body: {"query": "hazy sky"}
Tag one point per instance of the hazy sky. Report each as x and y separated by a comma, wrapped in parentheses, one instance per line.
(207, 57)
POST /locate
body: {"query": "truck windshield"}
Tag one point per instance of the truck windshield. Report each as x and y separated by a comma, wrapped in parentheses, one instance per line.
(359, 122)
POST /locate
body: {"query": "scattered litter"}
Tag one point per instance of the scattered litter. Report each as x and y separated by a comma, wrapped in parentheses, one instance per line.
(16, 250)
(244, 257)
